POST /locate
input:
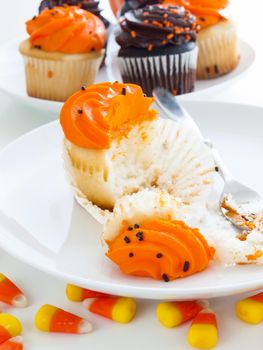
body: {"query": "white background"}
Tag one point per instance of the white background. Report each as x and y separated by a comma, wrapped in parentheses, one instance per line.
(16, 119)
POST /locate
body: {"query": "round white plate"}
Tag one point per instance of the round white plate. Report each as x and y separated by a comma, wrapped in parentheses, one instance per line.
(202, 87)
(12, 77)
(42, 225)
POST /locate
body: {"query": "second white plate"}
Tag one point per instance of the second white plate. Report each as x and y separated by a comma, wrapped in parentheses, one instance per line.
(12, 77)
(42, 225)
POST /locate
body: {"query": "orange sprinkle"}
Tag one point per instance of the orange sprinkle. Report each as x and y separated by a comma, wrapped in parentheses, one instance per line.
(188, 37)
(170, 36)
(150, 47)
(133, 34)
(157, 24)
(50, 74)
(174, 92)
(164, 42)
(146, 21)
(165, 15)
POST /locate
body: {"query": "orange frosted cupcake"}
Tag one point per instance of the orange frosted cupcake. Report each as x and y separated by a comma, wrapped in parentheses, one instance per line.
(217, 39)
(115, 144)
(64, 51)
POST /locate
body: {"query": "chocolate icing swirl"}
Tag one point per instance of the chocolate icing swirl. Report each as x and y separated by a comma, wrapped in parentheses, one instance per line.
(88, 5)
(155, 26)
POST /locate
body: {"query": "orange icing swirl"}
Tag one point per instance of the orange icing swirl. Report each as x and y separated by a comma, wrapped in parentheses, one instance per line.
(160, 249)
(207, 12)
(68, 30)
(93, 116)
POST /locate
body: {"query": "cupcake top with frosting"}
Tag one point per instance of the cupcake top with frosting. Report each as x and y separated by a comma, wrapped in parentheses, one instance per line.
(156, 26)
(88, 5)
(207, 12)
(95, 115)
(69, 30)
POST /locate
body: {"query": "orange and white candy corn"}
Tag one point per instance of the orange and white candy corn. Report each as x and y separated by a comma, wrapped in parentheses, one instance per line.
(12, 344)
(203, 332)
(118, 309)
(52, 319)
(75, 293)
(10, 293)
(172, 314)
(9, 327)
(250, 310)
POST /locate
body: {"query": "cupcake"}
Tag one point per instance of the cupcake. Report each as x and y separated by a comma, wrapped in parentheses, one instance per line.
(146, 237)
(116, 145)
(136, 4)
(157, 48)
(217, 39)
(88, 5)
(64, 52)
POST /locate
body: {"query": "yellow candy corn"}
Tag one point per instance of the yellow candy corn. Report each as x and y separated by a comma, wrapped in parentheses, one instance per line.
(172, 314)
(250, 310)
(203, 330)
(117, 309)
(9, 327)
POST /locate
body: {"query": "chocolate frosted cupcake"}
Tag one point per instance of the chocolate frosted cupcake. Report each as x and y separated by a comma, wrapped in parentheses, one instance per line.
(136, 4)
(88, 5)
(157, 48)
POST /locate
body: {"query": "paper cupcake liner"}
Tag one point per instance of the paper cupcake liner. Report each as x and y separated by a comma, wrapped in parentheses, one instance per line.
(173, 159)
(58, 79)
(176, 73)
(218, 52)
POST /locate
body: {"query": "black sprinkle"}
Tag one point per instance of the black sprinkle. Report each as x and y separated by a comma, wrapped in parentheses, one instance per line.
(243, 217)
(131, 255)
(130, 228)
(216, 169)
(216, 69)
(186, 266)
(207, 70)
(136, 225)
(127, 239)
(83, 88)
(93, 49)
(34, 18)
(123, 91)
(37, 47)
(116, 82)
(139, 235)
(80, 111)
(159, 255)
(202, 19)
(165, 277)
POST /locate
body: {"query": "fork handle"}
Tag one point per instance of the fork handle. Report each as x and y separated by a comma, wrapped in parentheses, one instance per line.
(220, 165)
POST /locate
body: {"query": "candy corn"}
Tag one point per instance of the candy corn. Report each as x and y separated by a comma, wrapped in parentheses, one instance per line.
(75, 293)
(172, 314)
(203, 330)
(10, 293)
(250, 310)
(52, 319)
(12, 344)
(118, 309)
(9, 327)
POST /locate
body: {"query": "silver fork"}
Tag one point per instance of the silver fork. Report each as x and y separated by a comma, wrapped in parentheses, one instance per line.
(238, 203)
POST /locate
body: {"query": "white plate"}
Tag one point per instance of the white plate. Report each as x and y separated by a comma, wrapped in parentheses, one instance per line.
(12, 76)
(42, 225)
(202, 87)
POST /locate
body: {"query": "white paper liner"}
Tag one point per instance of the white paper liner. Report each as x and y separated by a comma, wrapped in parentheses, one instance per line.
(58, 79)
(174, 159)
(173, 72)
(218, 51)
